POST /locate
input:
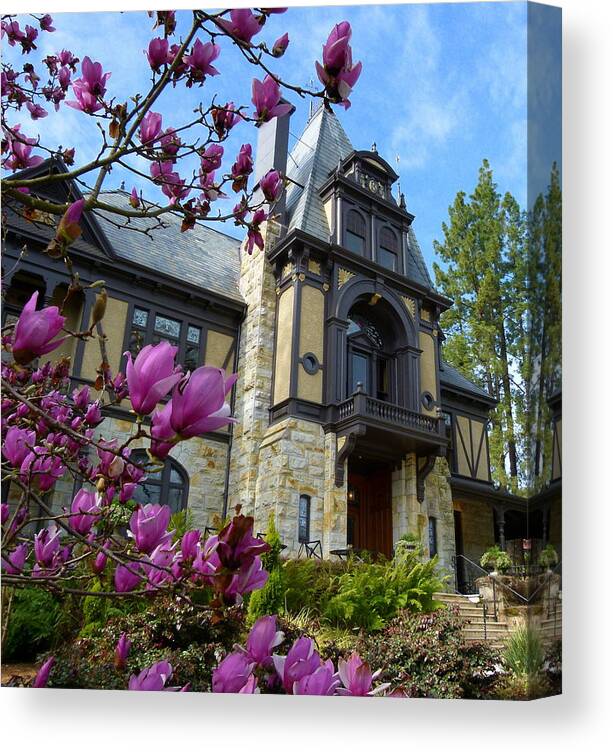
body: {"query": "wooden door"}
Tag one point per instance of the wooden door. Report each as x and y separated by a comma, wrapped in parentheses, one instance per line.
(370, 516)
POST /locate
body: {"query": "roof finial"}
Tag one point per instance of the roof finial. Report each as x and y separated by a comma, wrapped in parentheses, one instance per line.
(374, 147)
(122, 187)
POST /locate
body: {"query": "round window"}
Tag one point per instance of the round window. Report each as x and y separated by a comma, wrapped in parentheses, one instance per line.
(310, 363)
(428, 401)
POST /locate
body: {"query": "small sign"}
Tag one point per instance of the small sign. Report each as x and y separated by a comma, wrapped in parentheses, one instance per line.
(527, 544)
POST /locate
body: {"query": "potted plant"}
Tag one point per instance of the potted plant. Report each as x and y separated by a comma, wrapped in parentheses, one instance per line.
(548, 557)
(496, 560)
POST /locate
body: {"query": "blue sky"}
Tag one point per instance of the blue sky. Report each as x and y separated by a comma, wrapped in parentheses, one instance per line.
(443, 86)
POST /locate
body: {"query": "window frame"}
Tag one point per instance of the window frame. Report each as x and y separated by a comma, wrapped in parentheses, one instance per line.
(162, 480)
(150, 332)
(382, 247)
(349, 231)
(304, 532)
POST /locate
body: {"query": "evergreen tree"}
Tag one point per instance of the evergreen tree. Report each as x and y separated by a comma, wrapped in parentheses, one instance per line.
(503, 271)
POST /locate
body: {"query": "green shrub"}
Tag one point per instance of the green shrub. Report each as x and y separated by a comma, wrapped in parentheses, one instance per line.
(33, 624)
(425, 655)
(180, 523)
(496, 558)
(548, 556)
(190, 639)
(523, 653)
(368, 596)
(269, 600)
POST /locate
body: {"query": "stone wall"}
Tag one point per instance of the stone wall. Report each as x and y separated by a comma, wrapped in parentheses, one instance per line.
(438, 503)
(204, 461)
(253, 389)
(477, 527)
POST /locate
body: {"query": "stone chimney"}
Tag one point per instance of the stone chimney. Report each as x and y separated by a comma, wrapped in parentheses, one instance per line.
(271, 154)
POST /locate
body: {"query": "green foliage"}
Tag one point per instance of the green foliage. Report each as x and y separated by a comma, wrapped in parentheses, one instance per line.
(97, 610)
(501, 266)
(33, 624)
(180, 523)
(169, 629)
(425, 655)
(269, 600)
(548, 556)
(496, 558)
(368, 596)
(523, 653)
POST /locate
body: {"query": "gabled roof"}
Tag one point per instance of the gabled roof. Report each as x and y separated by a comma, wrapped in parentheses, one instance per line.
(201, 256)
(454, 380)
(317, 152)
(204, 257)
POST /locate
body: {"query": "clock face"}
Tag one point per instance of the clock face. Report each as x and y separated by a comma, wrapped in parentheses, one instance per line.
(376, 186)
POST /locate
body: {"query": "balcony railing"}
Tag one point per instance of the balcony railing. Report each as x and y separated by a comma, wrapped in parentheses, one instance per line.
(361, 405)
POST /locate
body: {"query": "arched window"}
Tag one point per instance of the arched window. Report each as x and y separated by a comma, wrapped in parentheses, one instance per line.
(387, 254)
(370, 357)
(169, 486)
(355, 232)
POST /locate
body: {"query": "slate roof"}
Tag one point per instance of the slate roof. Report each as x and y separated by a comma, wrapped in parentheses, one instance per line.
(315, 155)
(202, 256)
(452, 378)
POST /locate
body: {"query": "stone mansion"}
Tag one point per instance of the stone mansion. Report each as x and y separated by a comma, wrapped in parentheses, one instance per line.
(351, 428)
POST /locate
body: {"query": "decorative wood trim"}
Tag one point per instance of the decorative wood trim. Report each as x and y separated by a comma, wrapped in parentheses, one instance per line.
(410, 304)
(422, 475)
(344, 275)
(344, 452)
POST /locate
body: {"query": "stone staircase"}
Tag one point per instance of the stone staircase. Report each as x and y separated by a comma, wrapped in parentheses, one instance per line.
(476, 627)
(480, 629)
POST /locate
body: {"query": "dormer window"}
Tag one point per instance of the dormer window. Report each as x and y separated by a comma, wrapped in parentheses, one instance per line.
(355, 233)
(387, 253)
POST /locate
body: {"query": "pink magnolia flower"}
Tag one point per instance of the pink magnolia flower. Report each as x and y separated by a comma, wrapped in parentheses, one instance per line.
(157, 53)
(357, 678)
(36, 111)
(90, 88)
(42, 677)
(151, 376)
(200, 60)
(271, 185)
(254, 234)
(84, 511)
(158, 567)
(35, 330)
(242, 24)
(232, 674)
(266, 97)
(150, 128)
(153, 679)
(148, 527)
(163, 436)
(323, 682)
(20, 151)
(68, 229)
(46, 23)
(18, 443)
(126, 577)
(122, 650)
(174, 187)
(302, 660)
(13, 563)
(134, 199)
(210, 159)
(235, 544)
(43, 469)
(250, 576)
(170, 143)
(198, 403)
(225, 118)
(5, 511)
(47, 546)
(279, 47)
(262, 639)
(99, 562)
(338, 74)
(243, 167)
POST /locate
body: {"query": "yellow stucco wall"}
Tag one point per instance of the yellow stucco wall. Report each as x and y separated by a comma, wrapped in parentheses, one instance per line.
(427, 368)
(218, 346)
(311, 340)
(114, 325)
(283, 362)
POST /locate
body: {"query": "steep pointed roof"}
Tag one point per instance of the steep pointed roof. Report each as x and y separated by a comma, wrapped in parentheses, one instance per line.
(316, 153)
(322, 145)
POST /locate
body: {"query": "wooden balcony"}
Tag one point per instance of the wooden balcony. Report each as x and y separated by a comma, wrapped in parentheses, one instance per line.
(389, 424)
